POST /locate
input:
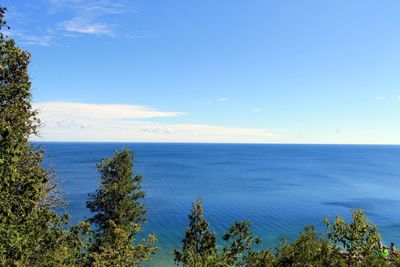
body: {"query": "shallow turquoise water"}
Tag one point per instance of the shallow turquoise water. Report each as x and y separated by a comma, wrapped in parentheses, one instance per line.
(280, 188)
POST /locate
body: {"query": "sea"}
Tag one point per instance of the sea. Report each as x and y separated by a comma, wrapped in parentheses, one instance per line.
(279, 188)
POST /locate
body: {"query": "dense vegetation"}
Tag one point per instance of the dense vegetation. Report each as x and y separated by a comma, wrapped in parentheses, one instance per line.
(33, 234)
(30, 232)
(354, 243)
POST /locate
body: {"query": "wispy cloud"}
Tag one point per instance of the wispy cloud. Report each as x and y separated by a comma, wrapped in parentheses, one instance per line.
(223, 99)
(66, 121)
(81, 25)
(78, 17)
(30, 39)
(88, 16)
(380, 98)
(256, 109)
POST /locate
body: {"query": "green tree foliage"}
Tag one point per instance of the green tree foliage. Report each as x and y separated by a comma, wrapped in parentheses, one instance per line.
(359, 237)
(262, 258)
(310, 249)
(241, 240)
(346, 244)
(374, 260)
(119, 215)
(31, 233)
(73, 247)
(199, 243)
(200, 250)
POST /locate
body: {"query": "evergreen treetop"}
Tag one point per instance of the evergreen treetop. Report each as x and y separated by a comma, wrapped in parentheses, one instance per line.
(119, 215)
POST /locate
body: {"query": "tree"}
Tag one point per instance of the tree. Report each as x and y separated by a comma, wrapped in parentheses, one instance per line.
(200, 250)
(241, 240)
(359, 237)
(199, 243)
(73, 246)
(119, 215)
(262, 258)
(30, 230)
(310, 249)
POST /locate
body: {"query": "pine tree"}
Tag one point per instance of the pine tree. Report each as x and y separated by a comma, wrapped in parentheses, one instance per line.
(119, 215)
(29, 229)
(199, 243)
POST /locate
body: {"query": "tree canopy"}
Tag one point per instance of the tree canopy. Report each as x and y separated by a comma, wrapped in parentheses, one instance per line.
(30, 230)
(119, 215)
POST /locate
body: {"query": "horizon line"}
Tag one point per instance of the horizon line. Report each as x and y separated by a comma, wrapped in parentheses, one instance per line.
(215, 143)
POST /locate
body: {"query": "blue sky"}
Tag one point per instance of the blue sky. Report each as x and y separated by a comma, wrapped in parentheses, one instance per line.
(213, 71)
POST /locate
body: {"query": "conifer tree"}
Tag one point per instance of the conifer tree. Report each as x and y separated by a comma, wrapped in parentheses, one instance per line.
(29, 229)
(119, 215)
(199, 243)
(240, 244)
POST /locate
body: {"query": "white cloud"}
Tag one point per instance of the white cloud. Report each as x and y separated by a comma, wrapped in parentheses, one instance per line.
(68, 121)
(81, 25)
(398, 98)
(380, 98)
(89, 16)
(85, 111)
(256, 109)
(223, 99)
(157, 129)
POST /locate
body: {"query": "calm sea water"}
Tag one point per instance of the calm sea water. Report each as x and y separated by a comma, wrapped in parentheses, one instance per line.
(280, 188)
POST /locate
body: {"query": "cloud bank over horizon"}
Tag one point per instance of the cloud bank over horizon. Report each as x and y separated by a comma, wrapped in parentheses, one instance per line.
(86, 122)
(73, 121)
